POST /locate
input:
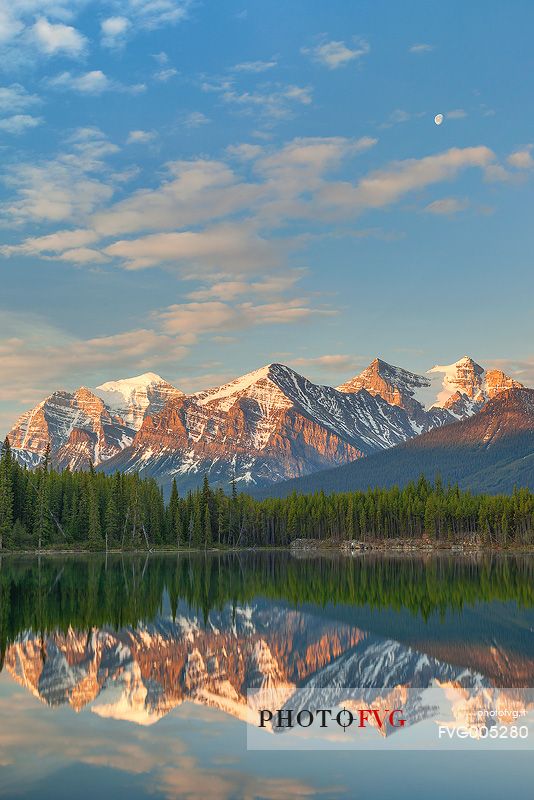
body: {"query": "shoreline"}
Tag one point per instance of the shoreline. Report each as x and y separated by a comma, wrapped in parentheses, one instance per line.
(303, 547)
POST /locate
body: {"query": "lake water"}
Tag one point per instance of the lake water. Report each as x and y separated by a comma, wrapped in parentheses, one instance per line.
(127, 677)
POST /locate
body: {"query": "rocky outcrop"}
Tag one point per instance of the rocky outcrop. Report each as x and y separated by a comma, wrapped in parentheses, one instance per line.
(78, 425)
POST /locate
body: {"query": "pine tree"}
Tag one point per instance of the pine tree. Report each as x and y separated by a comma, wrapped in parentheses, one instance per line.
(6, 495)
(207, 528)
(197, 539)
(42, 526)
(174, 523)
(94, 533)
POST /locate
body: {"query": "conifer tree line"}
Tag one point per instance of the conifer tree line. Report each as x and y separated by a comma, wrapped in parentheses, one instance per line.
(87, 592)
(43, 508)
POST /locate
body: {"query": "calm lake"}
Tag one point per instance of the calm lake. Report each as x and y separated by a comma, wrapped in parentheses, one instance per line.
(128, 676)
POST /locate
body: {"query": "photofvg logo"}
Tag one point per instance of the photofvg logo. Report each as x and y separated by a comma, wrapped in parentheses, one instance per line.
(396, 718)
(284, 718)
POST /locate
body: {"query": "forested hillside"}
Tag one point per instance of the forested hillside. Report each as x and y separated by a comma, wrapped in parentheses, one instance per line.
(43, 508)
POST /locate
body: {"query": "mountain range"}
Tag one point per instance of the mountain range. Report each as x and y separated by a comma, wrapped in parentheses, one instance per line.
(491, 451)
(267, 427)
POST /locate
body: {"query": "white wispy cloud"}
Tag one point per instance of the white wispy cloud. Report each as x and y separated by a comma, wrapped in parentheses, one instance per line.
(207, 217)
(254, 66)
(94, 82)
(15, 98)
(386, 186)
(57, 38)
(447, 206)
(521, 159)
(421, 48)
(141, 137)
(64, 188)
(19, 123)
(114, 31)
(275, 101)
(34, 29)
(196, 119)
(164, 75)
(216, 316)
(336, 54)
(155, 13)
(226, 247)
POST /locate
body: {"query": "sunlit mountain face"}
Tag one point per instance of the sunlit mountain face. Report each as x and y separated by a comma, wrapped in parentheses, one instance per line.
(132, 639)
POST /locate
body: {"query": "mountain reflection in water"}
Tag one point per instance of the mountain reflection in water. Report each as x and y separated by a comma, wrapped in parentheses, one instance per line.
(134, 637)
(95, 651)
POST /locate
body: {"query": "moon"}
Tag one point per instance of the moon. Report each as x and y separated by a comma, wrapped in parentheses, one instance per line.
(438, 119)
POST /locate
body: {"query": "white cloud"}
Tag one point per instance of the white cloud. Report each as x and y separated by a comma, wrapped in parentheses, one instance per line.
(447, 206)
(53, 242)
(161, 58)
(196, 119)
(195, 319)
(94, 82)
(194, 192)
(386, 186)
(58, 38)
(205, 216)
(521, 159)
(19, 123)
(229, 290)
(226, 247)
(335, 54)
(496, 173)
(113, 31)
(15, 98)
(66, 188)
(254, 66)
(273, 100)
(82, 255)
(421, 48)
(153, 14)
(399, 116)
(140, 137)
(165, 75)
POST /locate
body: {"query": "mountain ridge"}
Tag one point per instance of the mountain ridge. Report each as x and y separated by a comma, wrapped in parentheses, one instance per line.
(491, 451)
(267, 426)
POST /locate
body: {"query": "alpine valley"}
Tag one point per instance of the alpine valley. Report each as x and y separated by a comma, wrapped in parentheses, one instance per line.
(266, 427)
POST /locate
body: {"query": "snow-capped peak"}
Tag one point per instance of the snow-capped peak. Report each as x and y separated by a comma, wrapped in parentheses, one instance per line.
(236, 386)
(133, 398)
(464, 376)
(465, 385)
(128, 385)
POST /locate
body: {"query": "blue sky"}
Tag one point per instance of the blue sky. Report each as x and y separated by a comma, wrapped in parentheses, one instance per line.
(200, 188)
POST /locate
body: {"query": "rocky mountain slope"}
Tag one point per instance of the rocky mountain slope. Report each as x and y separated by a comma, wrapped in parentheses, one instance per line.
(490, 451)
(88, 426)
(264, 427)
(267, 426)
